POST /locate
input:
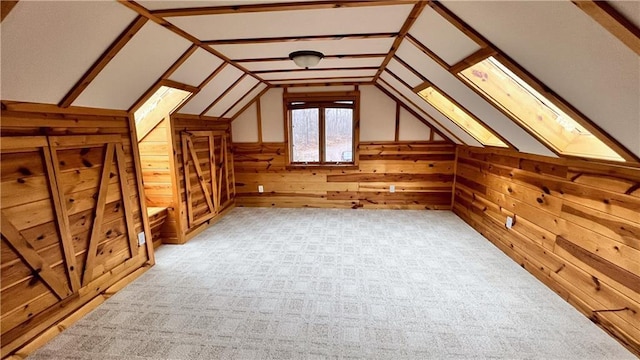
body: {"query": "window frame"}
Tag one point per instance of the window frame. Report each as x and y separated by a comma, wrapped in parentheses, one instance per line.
(321, 101)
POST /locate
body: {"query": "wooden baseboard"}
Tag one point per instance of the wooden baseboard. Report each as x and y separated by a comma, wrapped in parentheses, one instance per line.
(47, 335)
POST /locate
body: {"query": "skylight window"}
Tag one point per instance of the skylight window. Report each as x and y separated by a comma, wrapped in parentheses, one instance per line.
(465, 121)
(161, 103)
(535, 112)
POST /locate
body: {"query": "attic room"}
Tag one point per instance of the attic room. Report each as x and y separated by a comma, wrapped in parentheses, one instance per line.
(376, 179)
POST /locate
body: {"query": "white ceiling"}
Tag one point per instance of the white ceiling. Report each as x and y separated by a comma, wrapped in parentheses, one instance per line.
(196, 68)
(212, 90)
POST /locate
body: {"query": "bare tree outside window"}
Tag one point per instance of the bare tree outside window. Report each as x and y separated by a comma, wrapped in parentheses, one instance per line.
(305, 125)
(338, 135)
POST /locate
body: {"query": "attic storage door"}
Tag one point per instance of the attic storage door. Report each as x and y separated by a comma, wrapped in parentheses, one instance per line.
(208, 169)
(66, 220)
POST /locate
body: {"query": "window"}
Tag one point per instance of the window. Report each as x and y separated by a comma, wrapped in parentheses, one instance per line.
(162, 103)
(461, 117)
(322, 128)
(534, 111)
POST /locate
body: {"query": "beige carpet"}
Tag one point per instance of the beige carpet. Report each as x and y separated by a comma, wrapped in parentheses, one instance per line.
(335, 284)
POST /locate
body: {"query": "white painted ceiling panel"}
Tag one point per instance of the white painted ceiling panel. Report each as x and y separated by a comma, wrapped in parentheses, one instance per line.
(411, 128)
(196, 68)
(571, 53)
(247, 99)
(324, 63)
(327, 47)
(160, 5)
(629, 9)
(316, 74)
(472, 101)
(430, 111)
(237, 92)
(213, 90)
(449, 43)
(322, 81)
(48, 46)
(403, 73)
(134, 69)
(294, 22)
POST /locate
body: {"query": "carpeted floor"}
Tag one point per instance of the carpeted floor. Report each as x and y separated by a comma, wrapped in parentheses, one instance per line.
(335, 284)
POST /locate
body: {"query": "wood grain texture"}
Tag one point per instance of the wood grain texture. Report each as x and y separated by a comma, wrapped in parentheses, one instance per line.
(421, 172)
(577, 228)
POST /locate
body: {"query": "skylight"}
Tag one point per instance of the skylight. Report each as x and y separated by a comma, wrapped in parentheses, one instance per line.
(534, 111)
(465, 121)
(161, 103)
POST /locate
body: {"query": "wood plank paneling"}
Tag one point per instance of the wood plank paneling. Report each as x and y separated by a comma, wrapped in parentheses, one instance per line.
(421, 172)
(577, 227)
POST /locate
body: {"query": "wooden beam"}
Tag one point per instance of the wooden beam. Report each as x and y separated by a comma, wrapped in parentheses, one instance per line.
(258, 120)
(222, 95)
(160, 21)
(345, 56)
(336, 83)
(410, 68)
(313, 69)
(414, 113)
(324, 78)
(103, 61)
(126, 199)
(311, 5)
(5, 8)
(613, 21)
(240, 99)
(202, 85)
(422, 47)
(472, 59)
(300, 38)
(413, 16)
(398, 78)
(454, 20)
(397, 132)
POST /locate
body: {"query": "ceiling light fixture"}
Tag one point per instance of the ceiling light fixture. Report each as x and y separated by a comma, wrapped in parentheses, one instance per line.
(306, 58)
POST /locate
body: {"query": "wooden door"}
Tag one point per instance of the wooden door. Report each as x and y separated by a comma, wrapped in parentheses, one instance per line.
(67, 218)
(208, 174)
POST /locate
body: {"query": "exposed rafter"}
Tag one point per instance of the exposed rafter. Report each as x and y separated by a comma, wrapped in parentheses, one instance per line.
(6, 7)
(610, 19)
(314, 69)
(103, 61)
(311, 5)
(240, 99)
(413, 16)
(383, 35)
(348, 56)
(217, 100)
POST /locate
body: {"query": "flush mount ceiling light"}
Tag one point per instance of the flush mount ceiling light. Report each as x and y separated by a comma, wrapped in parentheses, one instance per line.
(306, 58)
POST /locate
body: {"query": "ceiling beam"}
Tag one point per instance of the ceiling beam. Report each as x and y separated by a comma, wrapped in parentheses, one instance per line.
(203, 84)
(346, 56)
(324, 78)
(158, 20)
(311, 5)
(613, 21)
(422, 47)
(103, 61)
(240, 99)
(224, 93)
(300, 38)
(5, 8)
(413, 16)
(329, 83)
(314, 69)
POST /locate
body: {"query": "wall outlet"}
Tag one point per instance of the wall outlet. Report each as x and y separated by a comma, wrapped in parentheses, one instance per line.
(141, 239)
(509, 222)
(392, 188)
(260, 188)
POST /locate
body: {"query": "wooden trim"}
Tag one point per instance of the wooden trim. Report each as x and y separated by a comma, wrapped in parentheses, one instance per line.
(398, 78)
(41, 269)
(54, 109)
(5, 8)
(62, 218)
(187, 176)
(472, 59)
(459, 24)
(346, 56)
(240, 99)
(419, 117)
(126, 199)
(142, 199)
(314, 69)
(397, 132)
(413, 16)
(160, 21)
(613, 21)
(202, 85)
(152, 90)
(300, 38)
(82, 140)
(323, 78)
(27, 143)
(410, 68)
(179, 86)
(224, 93)
(422, 47)
(96, 228)
(329, 83)
(311, 5)
(259, 123)
(212, 169)
(103, 61)
(196, 163)
(250, 103)
(192, 49)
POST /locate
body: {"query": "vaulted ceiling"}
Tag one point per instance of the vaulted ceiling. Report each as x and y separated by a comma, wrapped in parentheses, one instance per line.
(107, 54)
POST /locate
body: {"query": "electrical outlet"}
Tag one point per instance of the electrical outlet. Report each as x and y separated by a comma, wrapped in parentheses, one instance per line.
(509, 222)
(260, 188)
(141, 239)
(392, 188)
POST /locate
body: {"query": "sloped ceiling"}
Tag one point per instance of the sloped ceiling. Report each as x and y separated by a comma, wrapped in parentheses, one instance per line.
(111, 54)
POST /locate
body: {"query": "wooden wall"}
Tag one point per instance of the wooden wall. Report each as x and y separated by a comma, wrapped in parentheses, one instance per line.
(181, 124)
(155, 153)
(577, 227)
(421, 172)
(70, 215)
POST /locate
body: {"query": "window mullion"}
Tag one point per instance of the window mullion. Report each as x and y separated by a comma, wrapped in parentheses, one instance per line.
(321, 133)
